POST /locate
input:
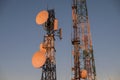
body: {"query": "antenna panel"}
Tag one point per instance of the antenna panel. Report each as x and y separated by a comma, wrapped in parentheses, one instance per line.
(60, 31)
(55, 24)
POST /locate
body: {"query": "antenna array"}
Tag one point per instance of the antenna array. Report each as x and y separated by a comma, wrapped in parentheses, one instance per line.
(45, 57)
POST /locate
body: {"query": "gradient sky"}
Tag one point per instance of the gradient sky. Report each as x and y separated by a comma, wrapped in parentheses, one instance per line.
(20, 37)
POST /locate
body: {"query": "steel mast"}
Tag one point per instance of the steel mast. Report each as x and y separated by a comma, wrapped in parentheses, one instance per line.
(45, 57)
(49, 68)
(84, 64)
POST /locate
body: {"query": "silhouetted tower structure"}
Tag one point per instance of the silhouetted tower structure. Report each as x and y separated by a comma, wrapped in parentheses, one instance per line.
(84, 64)
(47, 19)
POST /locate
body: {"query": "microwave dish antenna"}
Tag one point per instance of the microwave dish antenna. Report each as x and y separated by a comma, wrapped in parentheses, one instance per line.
(38, 59)
(42, 17)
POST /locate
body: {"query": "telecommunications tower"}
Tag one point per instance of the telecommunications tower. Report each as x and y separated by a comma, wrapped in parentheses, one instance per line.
(45, 57)
(84, 64)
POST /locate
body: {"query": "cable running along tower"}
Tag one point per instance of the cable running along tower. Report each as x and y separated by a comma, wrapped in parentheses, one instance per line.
(84, 64)
(47, 61)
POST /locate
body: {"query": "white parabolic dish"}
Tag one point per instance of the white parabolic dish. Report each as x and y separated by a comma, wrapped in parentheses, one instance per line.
(83, 74)
(38, 59)
(42, 17)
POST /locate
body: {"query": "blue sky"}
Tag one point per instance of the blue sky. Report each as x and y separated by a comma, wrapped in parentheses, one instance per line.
(20, 37)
